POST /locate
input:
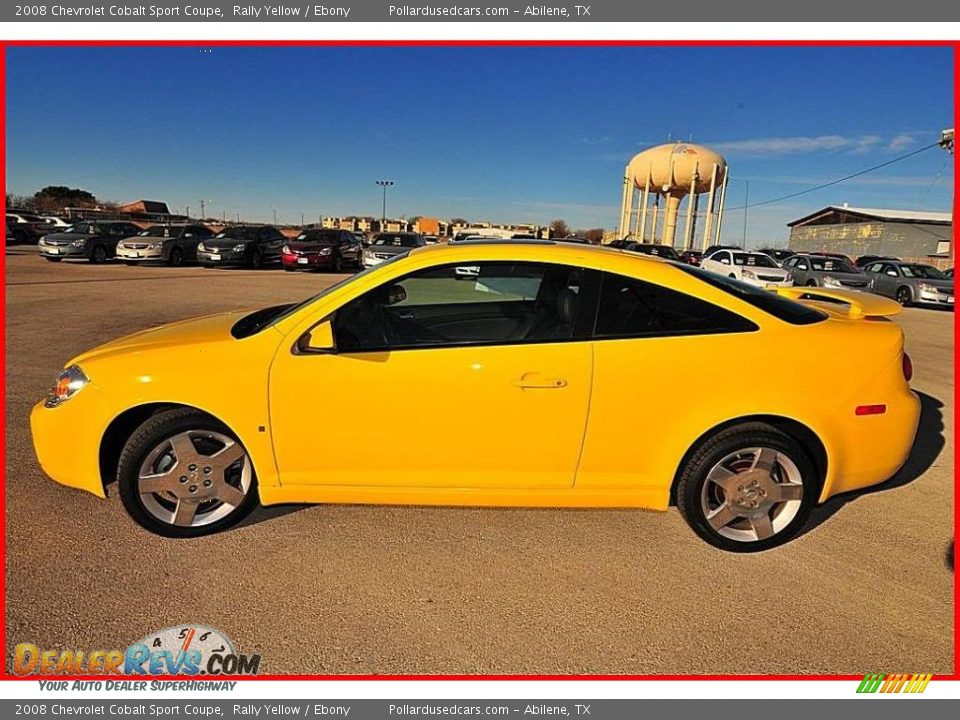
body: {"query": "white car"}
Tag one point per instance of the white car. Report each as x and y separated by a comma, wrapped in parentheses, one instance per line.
(755, 268)
(55, 222)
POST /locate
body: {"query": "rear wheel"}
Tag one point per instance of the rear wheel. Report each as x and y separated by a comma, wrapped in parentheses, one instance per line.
(184, 474)
(904, 296)
(811, 283)
(748, 488)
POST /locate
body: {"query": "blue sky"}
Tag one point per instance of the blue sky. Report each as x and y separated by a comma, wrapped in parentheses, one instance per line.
(506, 134)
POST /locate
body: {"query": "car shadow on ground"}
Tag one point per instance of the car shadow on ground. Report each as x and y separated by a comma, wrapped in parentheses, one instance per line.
(267, 513)
(949, 559)
(926, 449)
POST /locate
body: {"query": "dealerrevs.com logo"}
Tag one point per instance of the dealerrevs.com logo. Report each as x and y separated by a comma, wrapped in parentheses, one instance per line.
(180, 650)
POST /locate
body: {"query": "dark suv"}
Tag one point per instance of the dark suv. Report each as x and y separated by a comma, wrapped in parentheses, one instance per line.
(251, 246)
(95, 241)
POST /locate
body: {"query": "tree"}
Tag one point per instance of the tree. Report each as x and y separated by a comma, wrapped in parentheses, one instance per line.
(54, 198)
(559, 229)
(594, 235)
(457, 221)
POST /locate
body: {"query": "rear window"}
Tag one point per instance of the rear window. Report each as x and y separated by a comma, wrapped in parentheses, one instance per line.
(780, 307)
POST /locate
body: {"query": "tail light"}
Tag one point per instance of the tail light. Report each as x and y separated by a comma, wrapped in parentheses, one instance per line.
(907, 368)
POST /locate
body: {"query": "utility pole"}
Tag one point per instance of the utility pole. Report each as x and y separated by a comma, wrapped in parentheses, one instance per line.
(746, 209)
(274, 216)
(946, 142)
(383, 215)
(203, 208)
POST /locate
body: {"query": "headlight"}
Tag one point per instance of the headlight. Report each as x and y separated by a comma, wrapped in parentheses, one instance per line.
(155, 246)
(69, 383)
(79, 243)
(41, 241)
(325, 251)
(285, 250)
(829, 281)
(749, 274)
(201, 247)
(240, 248)
(368, 255)
(926, 288)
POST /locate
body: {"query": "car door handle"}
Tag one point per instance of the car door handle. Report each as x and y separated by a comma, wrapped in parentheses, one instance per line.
(536, 380)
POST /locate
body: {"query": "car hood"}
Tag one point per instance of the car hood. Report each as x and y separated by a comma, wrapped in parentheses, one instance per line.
(224, 243)
(388, 249)
(774, 271)
(65, 238)
(204, 332)
(307, 245)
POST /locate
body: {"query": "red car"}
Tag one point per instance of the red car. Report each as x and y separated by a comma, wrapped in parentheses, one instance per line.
(323, 249)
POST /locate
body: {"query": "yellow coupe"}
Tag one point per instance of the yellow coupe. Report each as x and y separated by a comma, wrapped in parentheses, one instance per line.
(525, 373)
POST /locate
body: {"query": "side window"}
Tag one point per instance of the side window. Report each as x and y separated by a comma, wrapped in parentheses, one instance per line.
(890, 270)
(722, 257)
(790, 262)
(266, 234)
(873, 267)
(491, 303)
(634, 308)
(802, 264)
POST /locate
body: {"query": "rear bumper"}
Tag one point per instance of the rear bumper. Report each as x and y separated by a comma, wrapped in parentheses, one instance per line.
(870, 449)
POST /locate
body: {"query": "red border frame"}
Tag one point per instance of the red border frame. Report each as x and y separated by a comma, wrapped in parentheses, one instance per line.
(5, 676)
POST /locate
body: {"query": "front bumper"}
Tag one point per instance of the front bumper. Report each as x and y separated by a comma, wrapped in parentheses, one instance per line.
(767, 284)
(133, 255)
(371, 260)
(67, 438)
(222, 257)
(935, 298)
(63, 251)
(311, 261)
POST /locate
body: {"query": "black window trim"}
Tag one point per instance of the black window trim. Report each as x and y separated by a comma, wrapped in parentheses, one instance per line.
(749, 325)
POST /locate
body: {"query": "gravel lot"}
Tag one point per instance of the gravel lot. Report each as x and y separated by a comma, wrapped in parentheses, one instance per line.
(352, 589)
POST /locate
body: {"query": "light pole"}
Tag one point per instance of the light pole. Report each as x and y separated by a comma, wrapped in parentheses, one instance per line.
(383, 215)
(746, 209)
(203, 206)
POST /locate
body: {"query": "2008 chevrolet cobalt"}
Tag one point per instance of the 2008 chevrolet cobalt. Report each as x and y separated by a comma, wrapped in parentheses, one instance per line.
(550, 374)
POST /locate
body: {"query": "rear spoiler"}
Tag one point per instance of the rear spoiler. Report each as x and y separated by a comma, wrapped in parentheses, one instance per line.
(859, 304)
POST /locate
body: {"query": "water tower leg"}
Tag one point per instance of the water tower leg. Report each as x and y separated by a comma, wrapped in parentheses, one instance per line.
(653, 219)
(708, 226)
(691, 203)
(625, 204)
(723, 201)
(645, 199)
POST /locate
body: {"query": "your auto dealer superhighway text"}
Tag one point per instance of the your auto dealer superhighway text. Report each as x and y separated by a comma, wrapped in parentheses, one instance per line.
(197, 11)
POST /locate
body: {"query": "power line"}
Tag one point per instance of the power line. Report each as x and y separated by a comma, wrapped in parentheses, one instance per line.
(837, 181)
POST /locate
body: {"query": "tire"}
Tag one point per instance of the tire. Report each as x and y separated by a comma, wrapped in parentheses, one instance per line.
(153, 449)
(256, 260)
(904, 296)
(131, 263)
(338, 264)
(51, 259)
(98, 254)
(358, 263)
(811, 283)
(176, 257)
(732, 519)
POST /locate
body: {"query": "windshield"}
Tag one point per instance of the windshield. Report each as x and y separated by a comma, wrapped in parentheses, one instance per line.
(831, 264)
(159, 231)
(396, 240)
(780, 307)
(234, 233)
(753, 260)
(82, 229)
(324, 236)
(927, 272)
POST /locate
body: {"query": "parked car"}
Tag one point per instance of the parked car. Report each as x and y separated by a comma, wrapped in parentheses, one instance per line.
(865, 260)
(431, 239)
(539, 363)
(823, 271)
(948, 273)
(173, 245)
(754, 268)
(362, 238)
(910, 283)
(25, 229)
(711, 249)
(657, 250)
(779, 255)
(323, 249)
(95, 241)
(691, 257)
(52, 221)
(251, 246)
(388, 245)
(619, 243)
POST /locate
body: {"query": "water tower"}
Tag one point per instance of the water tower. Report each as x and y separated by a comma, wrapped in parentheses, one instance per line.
(662, 177)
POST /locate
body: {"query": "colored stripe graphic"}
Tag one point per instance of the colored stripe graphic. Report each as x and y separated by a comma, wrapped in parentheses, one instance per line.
(894, 683)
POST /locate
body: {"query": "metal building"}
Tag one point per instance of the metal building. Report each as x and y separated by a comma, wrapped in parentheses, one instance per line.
(915, 235)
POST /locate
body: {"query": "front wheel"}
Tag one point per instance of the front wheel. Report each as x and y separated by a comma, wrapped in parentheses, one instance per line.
(98, 255)
(338, 264)
(748, 488)
(904, 296)
(52, 259)
(256, 260)
(176, 257)
(184, 474)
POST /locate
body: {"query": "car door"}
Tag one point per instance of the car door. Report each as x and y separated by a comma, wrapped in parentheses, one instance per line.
(271, 242)
(348, 249)
(886, 281)
(441, 382)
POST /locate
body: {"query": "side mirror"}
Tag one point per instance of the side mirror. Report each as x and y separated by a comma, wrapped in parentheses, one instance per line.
(725, 261)
(396, 294)
(892, 273)
(318, 340)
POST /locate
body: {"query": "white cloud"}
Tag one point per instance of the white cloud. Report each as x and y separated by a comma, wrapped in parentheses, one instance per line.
(857, 144)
